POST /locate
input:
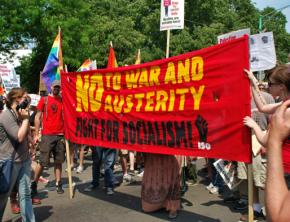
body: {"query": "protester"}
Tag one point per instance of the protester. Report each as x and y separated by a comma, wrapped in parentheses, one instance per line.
(2, 103)
(73, 156)
(277, 193)
(140, 164)
(190, 171)
(81, 149)
(216, 182)
(14, 129)
(50, 115)
(127, 174)
(279, 86)
(34, 149)
(161, 184)
(108, 155)
(14, 200)
(166, 4)
(259, 124)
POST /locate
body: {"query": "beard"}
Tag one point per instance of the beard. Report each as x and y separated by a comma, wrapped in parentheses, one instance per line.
(55, 91)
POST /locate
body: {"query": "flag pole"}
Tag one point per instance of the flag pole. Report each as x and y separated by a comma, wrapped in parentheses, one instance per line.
(167, 44)
(250, 193)
(39, 85)
(69, 174)
(67, 148)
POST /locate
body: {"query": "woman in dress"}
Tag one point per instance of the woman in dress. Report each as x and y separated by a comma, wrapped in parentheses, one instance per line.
(161, 184)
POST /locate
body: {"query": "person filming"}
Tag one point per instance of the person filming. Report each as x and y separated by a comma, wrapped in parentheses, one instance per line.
(14, 129)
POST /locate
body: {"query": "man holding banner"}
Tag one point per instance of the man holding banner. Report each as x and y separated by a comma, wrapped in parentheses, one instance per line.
(50, 114)
(98, 155)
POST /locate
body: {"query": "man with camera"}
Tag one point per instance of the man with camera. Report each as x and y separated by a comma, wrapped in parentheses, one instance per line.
(50, 116)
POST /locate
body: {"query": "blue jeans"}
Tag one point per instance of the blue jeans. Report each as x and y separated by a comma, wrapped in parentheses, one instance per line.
(21, 176)
(108, 156)
(217, 179)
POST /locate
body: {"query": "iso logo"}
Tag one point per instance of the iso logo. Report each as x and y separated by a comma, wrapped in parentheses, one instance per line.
(203, 146)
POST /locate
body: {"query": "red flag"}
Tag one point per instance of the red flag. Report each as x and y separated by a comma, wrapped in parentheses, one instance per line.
(1, 91)
(112, 62)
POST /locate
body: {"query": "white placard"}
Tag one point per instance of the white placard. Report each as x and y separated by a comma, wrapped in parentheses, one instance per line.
(233, 35)
(172, 14)
(262, 48)
(227, 173)
(34, 99)
(262, 52)
(8, 76)
(18, 79)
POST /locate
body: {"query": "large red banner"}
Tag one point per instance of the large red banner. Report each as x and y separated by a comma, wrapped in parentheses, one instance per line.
(191, 104)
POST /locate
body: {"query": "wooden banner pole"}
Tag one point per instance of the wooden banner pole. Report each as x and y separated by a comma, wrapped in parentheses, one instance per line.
(69, 169)
(250, 193)
(167, 44)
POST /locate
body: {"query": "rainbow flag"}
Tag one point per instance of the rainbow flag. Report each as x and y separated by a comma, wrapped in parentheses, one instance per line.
(54, 63)
(88, 65)
(85, 66)
(112, 62)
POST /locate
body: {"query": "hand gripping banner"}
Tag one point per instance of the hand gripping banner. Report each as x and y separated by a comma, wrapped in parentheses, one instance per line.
(192, 104)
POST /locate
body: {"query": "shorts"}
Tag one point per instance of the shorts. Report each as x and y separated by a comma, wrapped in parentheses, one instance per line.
(52, 144)
(259, 171)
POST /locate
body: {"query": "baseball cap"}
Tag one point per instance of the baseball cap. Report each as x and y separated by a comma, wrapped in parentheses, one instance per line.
(56, 83)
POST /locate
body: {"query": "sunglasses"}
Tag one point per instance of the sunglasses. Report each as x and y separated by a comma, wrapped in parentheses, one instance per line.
(272, 83)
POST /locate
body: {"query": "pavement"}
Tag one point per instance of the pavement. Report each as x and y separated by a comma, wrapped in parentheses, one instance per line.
(198, 204)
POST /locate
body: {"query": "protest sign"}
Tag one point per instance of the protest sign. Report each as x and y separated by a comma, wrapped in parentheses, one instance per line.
(192, 104)
(227, 173)
(262, 48)
(9, 77)
(233, 35)
(171, 14)
(34, 99)
(262, 52)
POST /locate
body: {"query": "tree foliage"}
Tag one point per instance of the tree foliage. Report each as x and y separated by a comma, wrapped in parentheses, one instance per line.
(88, 27)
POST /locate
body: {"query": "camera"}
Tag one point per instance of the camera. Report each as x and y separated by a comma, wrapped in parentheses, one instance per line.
(1, 103)
(22, 105)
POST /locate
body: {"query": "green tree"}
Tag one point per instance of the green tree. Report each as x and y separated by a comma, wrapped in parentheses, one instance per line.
(276, 22)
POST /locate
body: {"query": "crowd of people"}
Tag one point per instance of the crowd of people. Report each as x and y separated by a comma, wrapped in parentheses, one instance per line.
(164, 175)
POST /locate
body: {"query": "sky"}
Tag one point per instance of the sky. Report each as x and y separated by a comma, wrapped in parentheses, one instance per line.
(277, 4)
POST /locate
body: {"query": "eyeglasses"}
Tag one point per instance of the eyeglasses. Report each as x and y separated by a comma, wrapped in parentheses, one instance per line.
(270, 84)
